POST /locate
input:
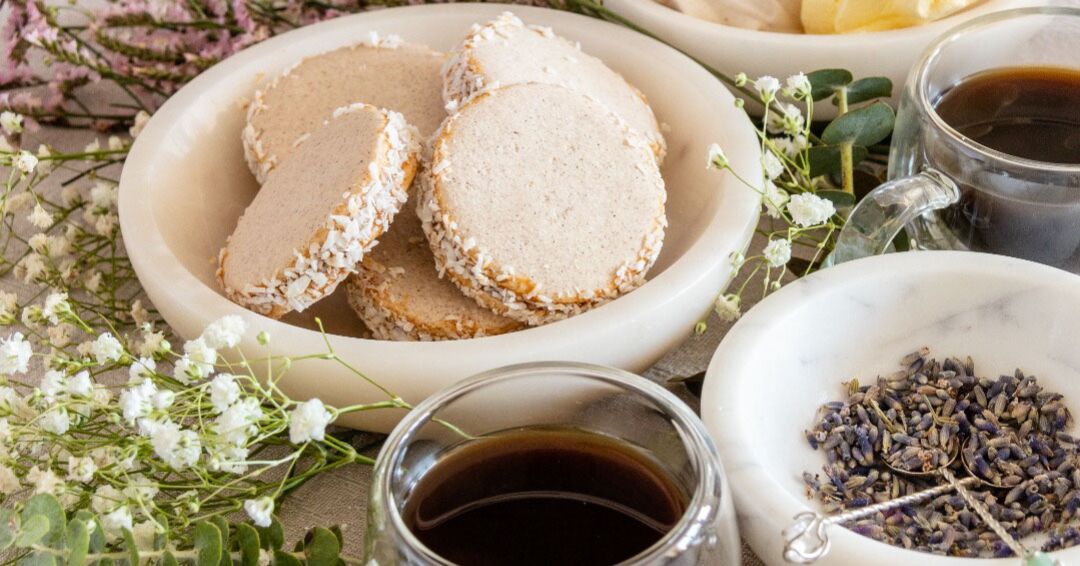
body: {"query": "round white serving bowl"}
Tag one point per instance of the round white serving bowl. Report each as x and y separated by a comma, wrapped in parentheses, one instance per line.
(790, 353)
(733, 50)
(185, 184)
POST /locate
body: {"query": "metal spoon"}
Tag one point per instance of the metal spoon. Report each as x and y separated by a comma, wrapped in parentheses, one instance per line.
(806, 539)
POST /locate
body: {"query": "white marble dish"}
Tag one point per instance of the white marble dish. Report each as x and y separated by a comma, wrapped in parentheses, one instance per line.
(791, 352)
(733, 50)
(185, 184)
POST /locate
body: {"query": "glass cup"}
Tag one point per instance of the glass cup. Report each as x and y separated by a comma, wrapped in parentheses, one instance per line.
(951, 192)
(597, 399)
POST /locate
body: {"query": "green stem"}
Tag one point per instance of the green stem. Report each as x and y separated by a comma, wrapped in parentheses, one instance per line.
(847, 162)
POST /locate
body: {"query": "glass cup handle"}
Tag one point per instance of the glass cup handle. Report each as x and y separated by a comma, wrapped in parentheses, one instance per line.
(880, 216)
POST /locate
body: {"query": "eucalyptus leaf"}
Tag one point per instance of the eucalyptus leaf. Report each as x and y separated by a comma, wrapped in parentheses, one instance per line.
(247, 539)
(285, 559)
(863, 126)
(33, 530)
(336, 529)
(825, 159)
(223, 527)
(840, 199)
(824, 82)
(106, 561)
(77, 542)
(868, 89)
(168, 559)
(97, 537)
(208, 544)
(132, 548)
(9, 527)
(272, 537)
(37, 559)
(47, 506)
(321, 547)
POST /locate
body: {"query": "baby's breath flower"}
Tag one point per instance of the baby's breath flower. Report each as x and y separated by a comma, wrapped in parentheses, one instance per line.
(717, 158)
(164, 399)
(778, 252)
(308, 421)
(11, 122)
(201, 358)
(789, 120)
(38, 242)
(26, 162)
(93, 281)
(178, 448)
(798, 86)
(141, 118)
(774, 198)
(136, 401)
(139, 313)
(236, 425)
(56, 421)
(56, 307)
(741, 80)
(153, 343)
(810, 210)
(31, 267)
(224, 391)
(15, 353)
(737, 260)
(107, 349)
(772, 165)
(727, 308)
(9, 307)
(141, 370)
(70, 196)
(40, 217)
(790, 146)
(225, 332)
(105, 224)
(115, 143)
(116, 522)
(767, 86)
(92, 147)
(80, 385)
(9, 482)
(106, 498)
(103, 195)
(260, 510)
(144, 533)
(45, 481)
(52, 384)
(81, 469)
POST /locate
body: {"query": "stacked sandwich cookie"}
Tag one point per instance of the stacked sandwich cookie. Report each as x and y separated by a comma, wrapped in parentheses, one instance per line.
(538, 198)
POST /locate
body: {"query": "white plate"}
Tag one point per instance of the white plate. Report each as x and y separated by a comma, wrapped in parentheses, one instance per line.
(733, 50)
(790, 353)
(185, 184)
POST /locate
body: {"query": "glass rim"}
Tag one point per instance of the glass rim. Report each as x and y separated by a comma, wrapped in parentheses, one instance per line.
(700, 448)
(926, 64)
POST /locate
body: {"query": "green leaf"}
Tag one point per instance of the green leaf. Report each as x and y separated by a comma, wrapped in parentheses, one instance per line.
(161, 538)
(868, 89)
(97, 536)
(336, 529)
(106, 561)
(37, 559)
(272, 537)
(321, 547)
(839, 198)
(285, 559)
(825, 159)
(33, 530)
(208, 544)
(47, 506)
(9, 526)
(168, 559)
(248, 542)
(824, 82)
(223, 527)
(132, 548)
(77, 543)
(863, 126)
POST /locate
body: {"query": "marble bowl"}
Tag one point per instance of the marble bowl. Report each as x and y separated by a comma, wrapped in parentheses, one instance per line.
(185, 184)
(790, 353)
(733, 50)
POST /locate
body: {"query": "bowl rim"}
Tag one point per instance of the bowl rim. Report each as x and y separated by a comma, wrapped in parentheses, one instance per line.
(731, 226)
(732, 360)
(810, 40)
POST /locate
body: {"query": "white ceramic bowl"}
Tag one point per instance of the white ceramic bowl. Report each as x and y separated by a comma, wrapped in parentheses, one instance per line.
(732, 50)
(791, 352)
(185, 184)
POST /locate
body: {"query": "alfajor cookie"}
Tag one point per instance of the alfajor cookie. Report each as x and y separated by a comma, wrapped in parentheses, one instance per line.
(385, 73)
(541, 202)
(505, 51)
(320, 211)
(398, 294)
